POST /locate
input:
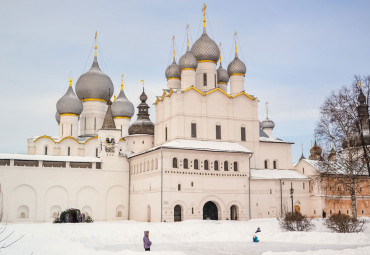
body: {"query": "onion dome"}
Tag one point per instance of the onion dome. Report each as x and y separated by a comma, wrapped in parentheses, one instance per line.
(333, 155)
(316, 152)
(205, 48)
(94, 84)
(57, 117)
(122, 107)
(173, 71)
(188, 61)
(267, 123)
(143, 125)
(69, 103)
(222, 76)
(361, 97)
(236, 67)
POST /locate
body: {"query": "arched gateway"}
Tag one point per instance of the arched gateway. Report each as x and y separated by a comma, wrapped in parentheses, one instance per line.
(210, 211)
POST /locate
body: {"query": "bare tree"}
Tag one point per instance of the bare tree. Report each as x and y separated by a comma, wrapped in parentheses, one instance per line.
(7, 237)
(343, 131)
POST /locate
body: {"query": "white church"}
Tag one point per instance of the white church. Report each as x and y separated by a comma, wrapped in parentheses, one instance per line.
(206, 155)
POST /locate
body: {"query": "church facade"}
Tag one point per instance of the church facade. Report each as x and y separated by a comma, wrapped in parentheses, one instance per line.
(206, 156)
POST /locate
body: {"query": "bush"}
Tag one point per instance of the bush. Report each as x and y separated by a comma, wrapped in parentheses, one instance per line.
(72, 216)
(343, 223)
(295, 222)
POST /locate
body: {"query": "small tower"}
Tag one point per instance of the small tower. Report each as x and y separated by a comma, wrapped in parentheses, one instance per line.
(267, 125)
(188, 65)
(207, 53)
(69, 108)
(141, 132)
(173, 73)
(236, 71)
(222, 76)
(122, 110)
(315, 152)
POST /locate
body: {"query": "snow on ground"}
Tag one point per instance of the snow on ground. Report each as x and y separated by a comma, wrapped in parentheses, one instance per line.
(188, 237)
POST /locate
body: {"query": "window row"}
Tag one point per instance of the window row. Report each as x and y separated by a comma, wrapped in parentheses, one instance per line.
(216, 164)
(145, 166)
(218, 132)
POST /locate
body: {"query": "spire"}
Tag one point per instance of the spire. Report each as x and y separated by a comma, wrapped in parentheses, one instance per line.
(143, 84)
(114, 96)
(70, 82)
(187, 37)
(96, 35)
(122, 83)
(302, 156)
(236, 46)
(173, 46)
(204, 16)
(267, 110)
(108, 120)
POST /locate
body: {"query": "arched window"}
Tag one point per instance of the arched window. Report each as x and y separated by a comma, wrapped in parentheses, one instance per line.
(206, 167)
(152, 164)
(174, 162)
(196, 164)
(144, 167)
(46, 150)
(215, 165)
(186, 163)
(235, 166)
(156, 163)
(226, 166)
(69, 151)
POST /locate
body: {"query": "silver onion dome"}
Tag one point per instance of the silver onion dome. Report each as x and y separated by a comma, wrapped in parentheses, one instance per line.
(94, 84)
(267, 123)
(236, 67)
(188, 60)
(57, 117)
(222, 76)
(205, 48)
(122, 107)
(173, 71)
(69, 103)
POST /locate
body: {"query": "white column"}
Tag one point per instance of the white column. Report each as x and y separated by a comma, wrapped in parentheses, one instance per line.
(187, 78)
(208, 68)
(68, 125)
(236, 84)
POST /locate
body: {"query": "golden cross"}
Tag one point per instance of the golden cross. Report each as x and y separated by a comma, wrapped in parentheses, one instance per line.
(236, 47)
(122, 82)
(220, 51)
(204, 14)
(96, 35)
(173, 45)
(359, 83)
(187, 35)
(267, 109)
(142, 82)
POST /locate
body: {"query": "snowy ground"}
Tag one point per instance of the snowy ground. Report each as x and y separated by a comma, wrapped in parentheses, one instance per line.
(189, 237)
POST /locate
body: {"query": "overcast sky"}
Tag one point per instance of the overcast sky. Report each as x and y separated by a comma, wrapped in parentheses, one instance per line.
(296, 53)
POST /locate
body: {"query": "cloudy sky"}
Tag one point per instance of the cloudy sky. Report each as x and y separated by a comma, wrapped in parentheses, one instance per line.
(296, 53)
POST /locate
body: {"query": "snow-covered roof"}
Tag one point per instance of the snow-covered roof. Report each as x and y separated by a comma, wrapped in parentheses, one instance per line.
(200, 146)
(277, 174)
(48, 158)
(272, 140)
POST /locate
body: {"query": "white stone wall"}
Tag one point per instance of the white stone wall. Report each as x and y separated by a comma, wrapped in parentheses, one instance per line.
(92, 117)
(208, 68)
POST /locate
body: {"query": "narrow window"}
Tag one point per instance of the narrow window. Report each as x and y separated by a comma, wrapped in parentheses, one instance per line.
(270, 191)
(206, 165)
(165, 133)
(242, 133)
(192, 210)
(186, 163)
(218, 132)
(85, 124)
(46, 150)
(303, 186)
(347, 211)
(226, 166)
(363, 211)
(196, 164)
(96, 152)
(215, 165)
(303, 170)
(71, 129)
(174, 162)
(235, 166)
(193, 130)
(156, 163)
(94, 124)
(204, 79)
(69, 151)
(339, 212)
(266, 164)
(331, 212)
(314, 211)
(215, 81)
(178, 187)
(338, 188)
(62, 129)
(274, 164)
(192, 184)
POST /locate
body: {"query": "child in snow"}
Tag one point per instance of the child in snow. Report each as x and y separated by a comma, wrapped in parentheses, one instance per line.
(258, 230)
(255, 239)
(147, 242)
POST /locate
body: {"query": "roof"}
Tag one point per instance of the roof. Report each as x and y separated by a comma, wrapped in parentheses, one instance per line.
(48, 158)
(272, 140)
(201, 146)
(277, 174)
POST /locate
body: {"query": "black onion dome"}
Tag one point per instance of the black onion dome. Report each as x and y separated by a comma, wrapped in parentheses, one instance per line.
(69, 103)
(205, 48)
(143, 125)
(94, 84)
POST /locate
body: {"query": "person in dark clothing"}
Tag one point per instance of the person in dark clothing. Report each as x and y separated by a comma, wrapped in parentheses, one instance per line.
(323, 214)
(147, 242)
(258, 230)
